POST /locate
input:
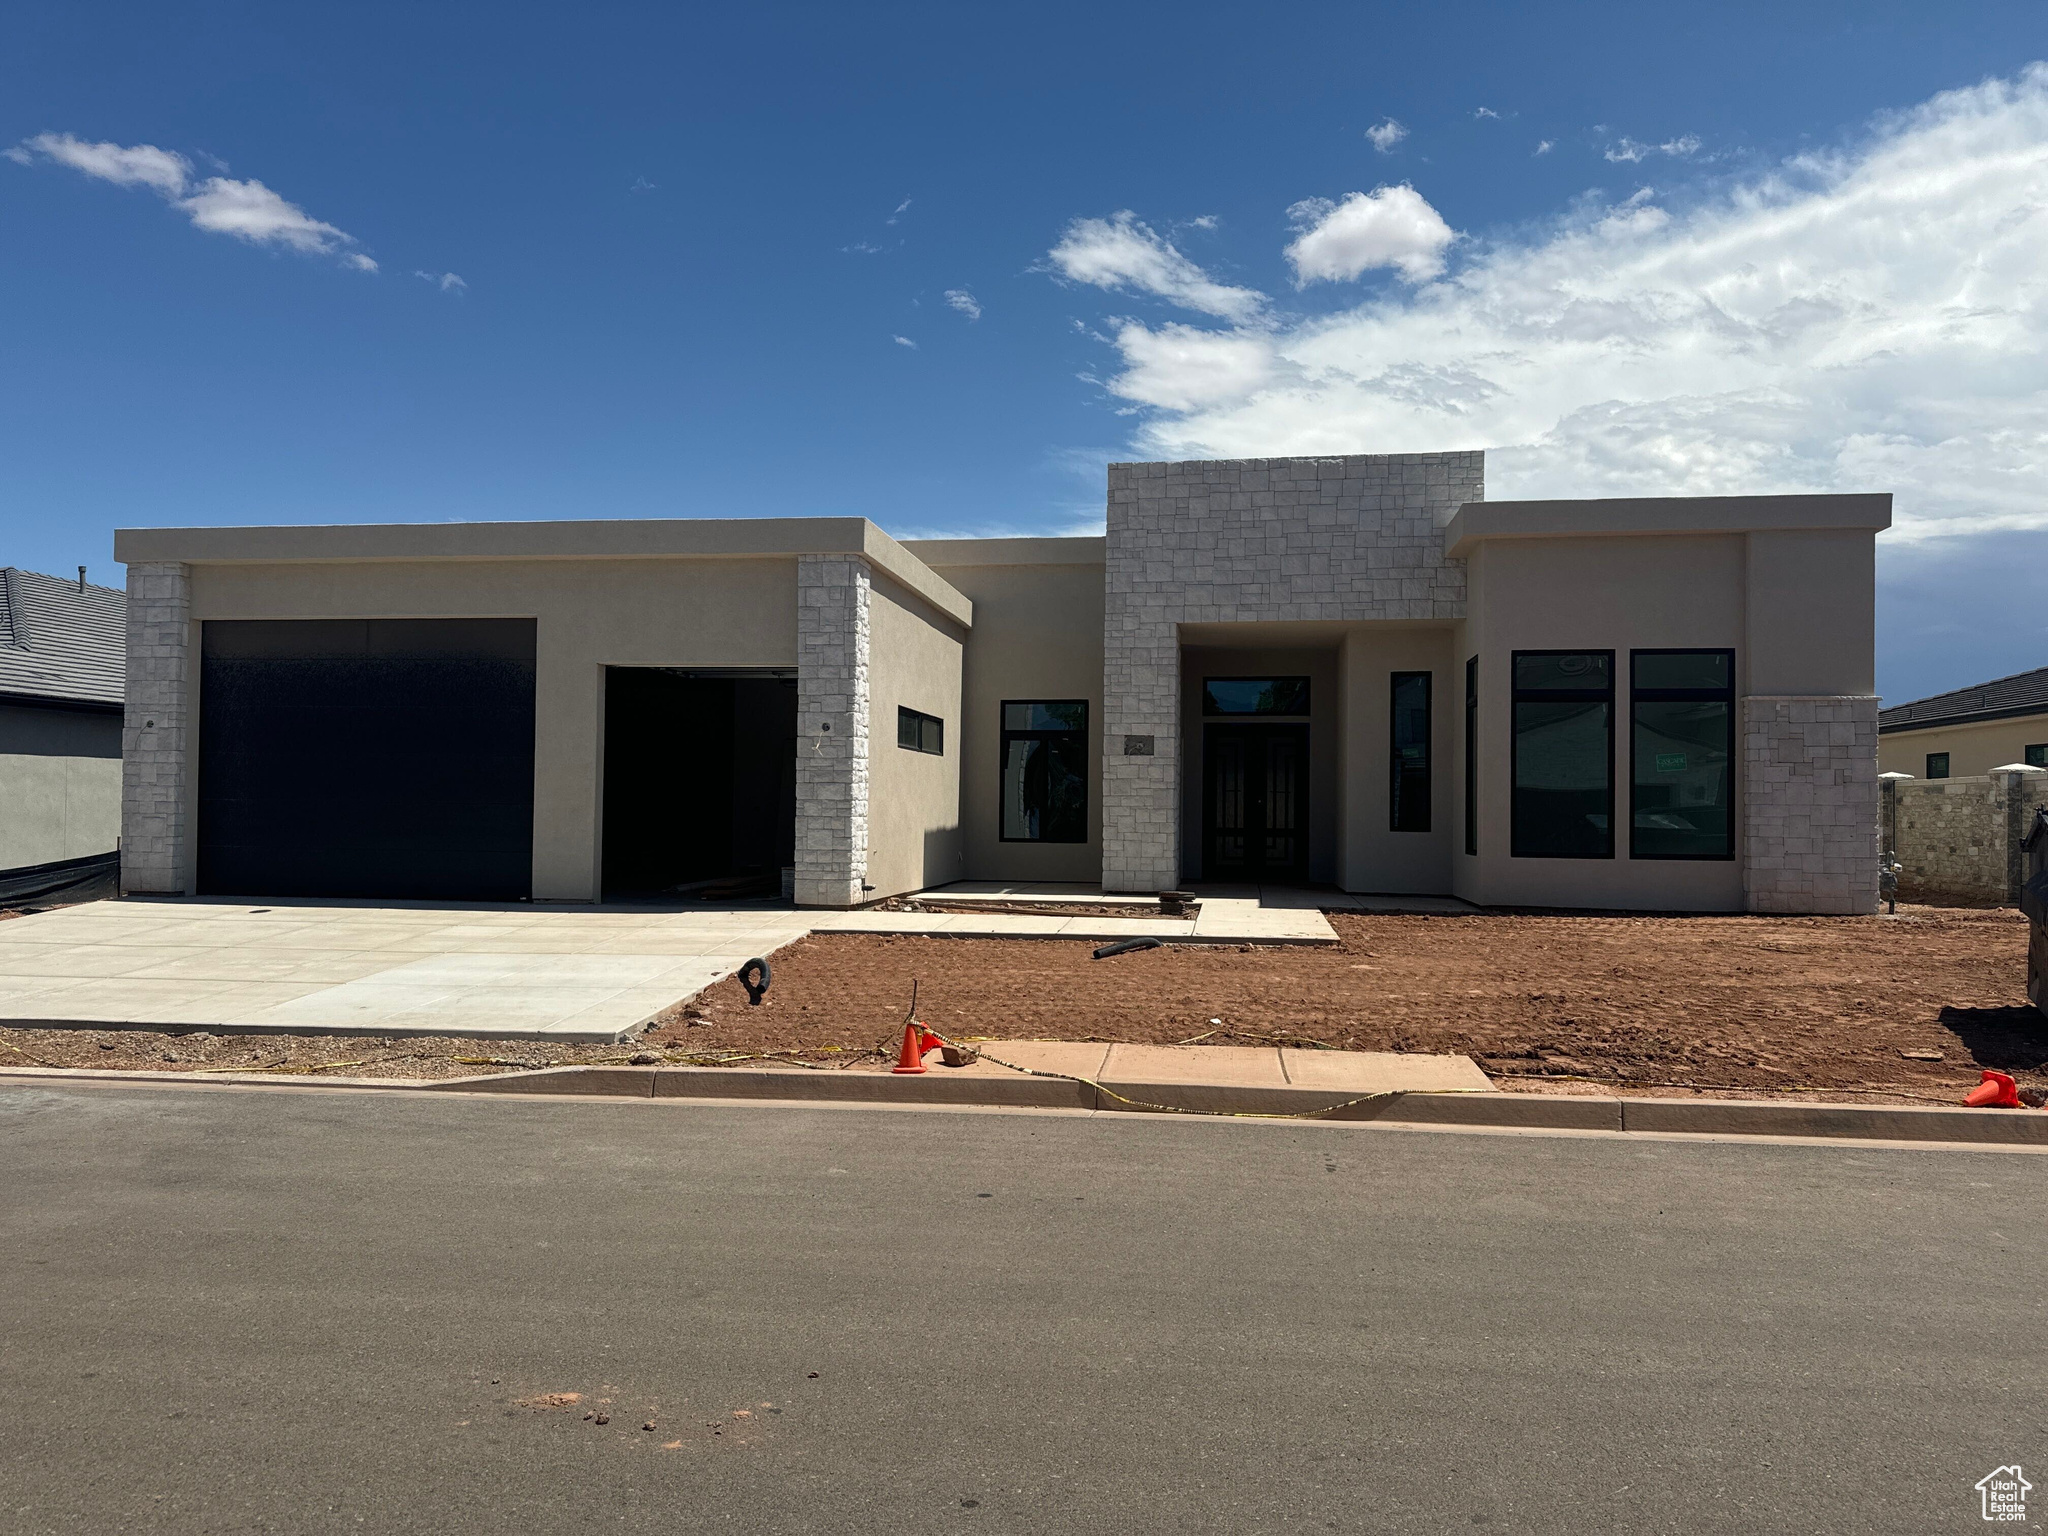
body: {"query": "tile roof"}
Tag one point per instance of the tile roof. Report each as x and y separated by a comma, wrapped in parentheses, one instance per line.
(2024, 693)
(58, 642)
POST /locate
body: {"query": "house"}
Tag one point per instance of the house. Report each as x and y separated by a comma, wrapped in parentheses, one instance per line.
(1350, 671)
(1968, 731)
(62, 660)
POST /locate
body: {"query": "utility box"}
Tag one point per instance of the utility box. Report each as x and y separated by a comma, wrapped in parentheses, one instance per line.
(2034, 902)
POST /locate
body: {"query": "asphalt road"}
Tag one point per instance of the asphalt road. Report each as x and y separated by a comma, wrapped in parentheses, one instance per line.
(231, 1311)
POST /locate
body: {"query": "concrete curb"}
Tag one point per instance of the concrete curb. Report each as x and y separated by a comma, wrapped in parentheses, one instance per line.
(1524, 1111)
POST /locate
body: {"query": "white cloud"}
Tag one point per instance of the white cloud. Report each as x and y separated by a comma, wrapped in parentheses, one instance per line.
(1629, 152)
(1386, 135)
(1545, 146)
(965, 302)
(1870, 318)
(1485, 112)
(904, 341)
(248, 210)
(1121, 252)
(447, 282)
(1387, 227)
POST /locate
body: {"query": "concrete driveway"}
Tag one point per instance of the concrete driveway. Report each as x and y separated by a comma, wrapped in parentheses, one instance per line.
(573, 973)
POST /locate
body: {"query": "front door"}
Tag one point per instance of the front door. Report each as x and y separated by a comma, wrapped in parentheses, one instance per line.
(1255, 802)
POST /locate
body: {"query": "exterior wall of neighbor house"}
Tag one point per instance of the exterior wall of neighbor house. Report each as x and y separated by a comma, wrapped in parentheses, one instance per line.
(1037, 635)
(1370, 856)
(591, 614)
(1326, 734)
(913, 797)
(60, 784)
(1972, 749)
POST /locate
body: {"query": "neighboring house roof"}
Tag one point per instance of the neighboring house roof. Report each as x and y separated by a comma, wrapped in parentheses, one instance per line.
(2024, 693)
(60, 641)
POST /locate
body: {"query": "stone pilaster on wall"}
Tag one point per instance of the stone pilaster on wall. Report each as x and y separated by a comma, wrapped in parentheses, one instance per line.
(1357, 537)
(832, 597)
(156, 730)
(1810, 803)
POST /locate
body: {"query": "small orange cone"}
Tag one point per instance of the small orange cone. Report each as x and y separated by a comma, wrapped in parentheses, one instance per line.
(931, 1042)
(1996, 1091)
(912, 1057)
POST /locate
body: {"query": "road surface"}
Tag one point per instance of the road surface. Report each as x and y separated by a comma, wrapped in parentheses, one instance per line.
(232, 1310)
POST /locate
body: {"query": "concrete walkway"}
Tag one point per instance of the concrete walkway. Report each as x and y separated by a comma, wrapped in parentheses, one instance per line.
(505, 971)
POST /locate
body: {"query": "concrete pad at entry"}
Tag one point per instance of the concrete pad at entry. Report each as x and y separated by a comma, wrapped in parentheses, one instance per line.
(1074, 1058)
(1258, 1065)
(1377, 1071)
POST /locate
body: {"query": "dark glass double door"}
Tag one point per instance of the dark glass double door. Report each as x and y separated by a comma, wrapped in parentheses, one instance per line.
(1255, 802)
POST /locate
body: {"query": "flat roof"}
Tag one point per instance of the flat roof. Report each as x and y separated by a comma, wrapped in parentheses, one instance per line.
(1649, 516)
(1082, 550)
(640, 538)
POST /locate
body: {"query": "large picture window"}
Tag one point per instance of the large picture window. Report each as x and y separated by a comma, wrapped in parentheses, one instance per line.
(1408, 773)
(1563, 753)
(1682, 755)
(1045, 771)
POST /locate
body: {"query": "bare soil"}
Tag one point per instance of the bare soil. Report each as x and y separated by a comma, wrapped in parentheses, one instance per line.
(1739, 1006)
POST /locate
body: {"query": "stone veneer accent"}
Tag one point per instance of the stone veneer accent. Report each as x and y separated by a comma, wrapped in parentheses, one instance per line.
(1357, 537)
(156, 837)
(832, 598)
(1810, 796)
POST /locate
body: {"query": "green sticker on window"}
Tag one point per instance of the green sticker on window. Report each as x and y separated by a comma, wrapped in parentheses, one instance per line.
(1671, 762)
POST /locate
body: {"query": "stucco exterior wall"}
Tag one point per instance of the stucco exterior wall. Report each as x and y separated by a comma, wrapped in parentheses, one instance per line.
(1971, 749)
(60, 784)
(591, 614)
(1371, 857)
(1038, 607)
(914, 661)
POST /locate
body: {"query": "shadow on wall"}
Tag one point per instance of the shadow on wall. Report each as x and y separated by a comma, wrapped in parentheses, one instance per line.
(2000, 1037)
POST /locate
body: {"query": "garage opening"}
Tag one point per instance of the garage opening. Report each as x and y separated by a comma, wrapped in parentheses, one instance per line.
(699, 782)
(381, 758)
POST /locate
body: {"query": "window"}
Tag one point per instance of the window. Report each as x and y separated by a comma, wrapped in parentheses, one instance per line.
(1937, 765)
(1408, 775)
(1045, 771)
(1681, 755)
(920, 733)
(1563, 752)
(1472, 754)
(2037, 755)
(1255, 696)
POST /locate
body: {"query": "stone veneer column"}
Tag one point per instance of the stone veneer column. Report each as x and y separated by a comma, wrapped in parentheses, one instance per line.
(832, 594)
(1811, 804)
(156, 835)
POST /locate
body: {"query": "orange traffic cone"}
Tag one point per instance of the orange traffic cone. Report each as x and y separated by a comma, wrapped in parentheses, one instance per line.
(1996, 1091)
(931, 1042)
(912, 1057)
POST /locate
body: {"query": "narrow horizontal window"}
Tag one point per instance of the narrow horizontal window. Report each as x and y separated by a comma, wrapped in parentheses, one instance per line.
(1255, 696)
(1045, 771)
(1563, 755)
(1408, 773)
(917, 732)
(1682, 755)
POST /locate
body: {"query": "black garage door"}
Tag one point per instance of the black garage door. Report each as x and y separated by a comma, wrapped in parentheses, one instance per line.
(367, 757)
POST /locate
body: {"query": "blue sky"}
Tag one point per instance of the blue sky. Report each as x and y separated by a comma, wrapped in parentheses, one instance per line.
(935, 265)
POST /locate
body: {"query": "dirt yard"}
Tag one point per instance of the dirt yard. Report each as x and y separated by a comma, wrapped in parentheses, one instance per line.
(1728, 1005)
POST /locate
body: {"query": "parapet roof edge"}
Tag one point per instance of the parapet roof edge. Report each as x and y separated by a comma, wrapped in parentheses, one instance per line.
(1636, 516)
(596, 539)
(1073, 549)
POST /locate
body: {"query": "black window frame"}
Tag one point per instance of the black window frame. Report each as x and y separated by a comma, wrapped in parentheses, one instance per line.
(1472, 755)
(1928, 764)
(1638, 695)
(932, 742)
(1006, 735)
(1394, 760)
(2035, 754)
(1304, 713)
(1556, 696)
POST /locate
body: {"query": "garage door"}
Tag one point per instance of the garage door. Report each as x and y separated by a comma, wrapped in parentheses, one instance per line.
(378, 757)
